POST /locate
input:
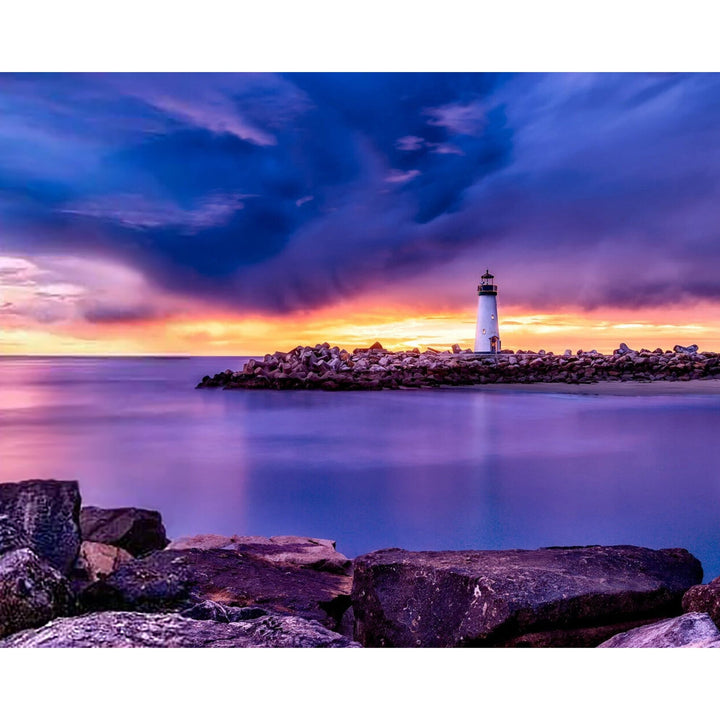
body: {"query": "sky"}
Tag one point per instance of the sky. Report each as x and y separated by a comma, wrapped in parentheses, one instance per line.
(224, 214)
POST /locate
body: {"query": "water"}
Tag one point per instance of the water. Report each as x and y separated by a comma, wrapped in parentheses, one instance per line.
(420, 470)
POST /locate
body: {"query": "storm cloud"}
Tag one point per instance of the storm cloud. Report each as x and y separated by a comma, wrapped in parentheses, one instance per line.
(274, 193)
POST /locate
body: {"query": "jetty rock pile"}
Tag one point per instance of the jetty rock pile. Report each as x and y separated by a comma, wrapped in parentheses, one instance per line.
(329, 368)
(293, 591)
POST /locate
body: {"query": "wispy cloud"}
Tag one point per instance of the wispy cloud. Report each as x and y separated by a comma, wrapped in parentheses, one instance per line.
(459, 118)
(213, 111)
(409, 143)
(400, 176)
(138, 211)
(446, 149)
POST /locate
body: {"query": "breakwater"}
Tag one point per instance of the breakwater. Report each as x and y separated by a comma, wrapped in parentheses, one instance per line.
(330, 368)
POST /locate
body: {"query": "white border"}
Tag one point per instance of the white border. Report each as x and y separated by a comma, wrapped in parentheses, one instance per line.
(373, 35)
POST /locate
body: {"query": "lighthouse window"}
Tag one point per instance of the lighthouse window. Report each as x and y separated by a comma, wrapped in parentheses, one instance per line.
(483, 331)
(492, 317)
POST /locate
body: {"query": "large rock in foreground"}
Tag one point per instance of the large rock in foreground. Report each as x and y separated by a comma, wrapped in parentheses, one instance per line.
(552, 597)
(136, 530)
(176, 579)
(691, 630)
(46, 513)
(304, 552)
(31, 592)
(136, 630)
(704, 599)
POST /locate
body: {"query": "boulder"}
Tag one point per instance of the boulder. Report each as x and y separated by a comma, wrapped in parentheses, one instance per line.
(312, 553)
(704, 599)
(133, 529)
(691, 630)
(97, 560)
(575, 596)
(177, 579)
(31, 592)
(138, 630)
(46, 514)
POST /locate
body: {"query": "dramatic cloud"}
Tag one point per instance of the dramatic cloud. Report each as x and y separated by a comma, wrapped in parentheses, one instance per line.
(269, 194)
(59, 289)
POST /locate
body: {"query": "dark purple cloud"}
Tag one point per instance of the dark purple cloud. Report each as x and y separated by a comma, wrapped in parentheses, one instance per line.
(108, 314)
(272, 193)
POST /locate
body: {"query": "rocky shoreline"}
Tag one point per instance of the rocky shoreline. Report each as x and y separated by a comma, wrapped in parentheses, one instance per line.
(329, 368)
(74, 576)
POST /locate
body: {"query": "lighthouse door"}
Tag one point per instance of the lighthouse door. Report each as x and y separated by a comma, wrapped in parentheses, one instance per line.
(494, 344)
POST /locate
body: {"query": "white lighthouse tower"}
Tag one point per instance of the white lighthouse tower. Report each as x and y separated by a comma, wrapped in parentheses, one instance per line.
(487, 331)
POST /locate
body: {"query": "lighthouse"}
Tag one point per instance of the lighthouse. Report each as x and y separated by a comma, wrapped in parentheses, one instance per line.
(487, 330)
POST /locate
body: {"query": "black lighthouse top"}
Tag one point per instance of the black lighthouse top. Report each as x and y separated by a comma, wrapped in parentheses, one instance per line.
(486, 286)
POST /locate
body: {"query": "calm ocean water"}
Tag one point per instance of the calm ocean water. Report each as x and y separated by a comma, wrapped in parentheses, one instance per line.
(420, 470)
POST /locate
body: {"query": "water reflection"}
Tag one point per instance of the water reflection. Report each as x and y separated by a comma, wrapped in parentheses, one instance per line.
(419, 470)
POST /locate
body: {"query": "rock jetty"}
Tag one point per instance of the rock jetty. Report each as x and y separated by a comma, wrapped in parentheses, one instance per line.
(329, 368)
(289, 591)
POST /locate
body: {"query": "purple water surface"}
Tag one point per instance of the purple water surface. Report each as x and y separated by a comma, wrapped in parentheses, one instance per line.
(419, 469)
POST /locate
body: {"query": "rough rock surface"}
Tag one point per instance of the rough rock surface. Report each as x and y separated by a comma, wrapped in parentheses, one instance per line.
(324, 368)
(131, 629)
(46, 513)
(31, 591)
(136, 530)
(97, 560)
(704, 599)
(175, 579)
(312, 553)
(11, 536)
(691, 630)
(209, 610)
(578, 596)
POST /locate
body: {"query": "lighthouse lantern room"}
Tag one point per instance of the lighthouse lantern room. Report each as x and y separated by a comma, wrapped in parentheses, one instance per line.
(487, 331)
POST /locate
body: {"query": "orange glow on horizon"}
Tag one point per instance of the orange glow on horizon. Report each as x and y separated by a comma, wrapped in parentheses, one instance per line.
(85, 306)
(348, 326)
